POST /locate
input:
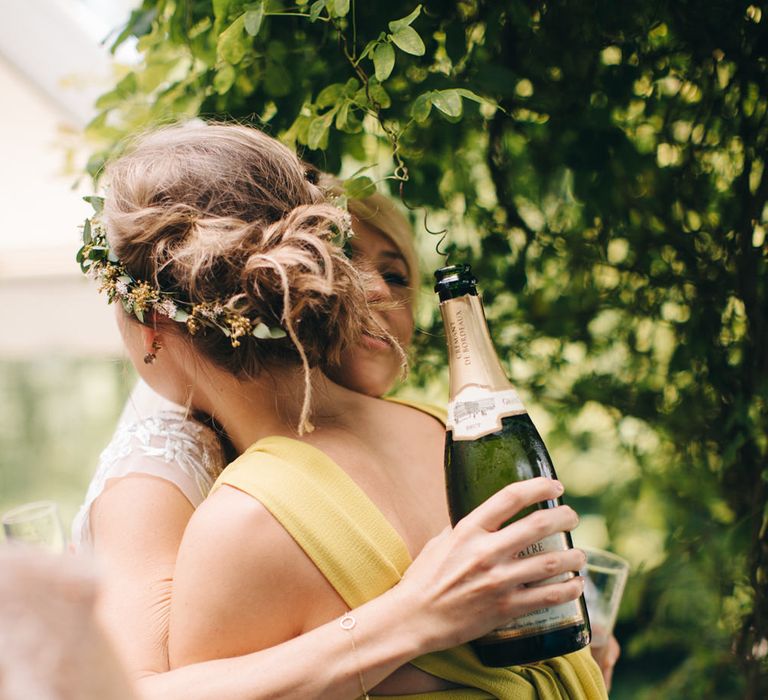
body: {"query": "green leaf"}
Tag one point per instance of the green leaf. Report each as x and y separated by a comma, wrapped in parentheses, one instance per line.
(263, 331)
(139, 24)
(87, 237)
(379, 95)
(351, 86)
(447, 101)
(231, 47)
(398, 24)
(383, 61)
(221, 9)
(316, 9)
(260, 330)
(123, 90)
(96, 202)
(408, 40)
(180, 315)
(359, 187)
(139, 315)
(329, 95)
(339, 8)
(254, 17)
(224, 79)
(421, 107)
(370, 46)
(342, 115)
(318, 130)
(469, 95)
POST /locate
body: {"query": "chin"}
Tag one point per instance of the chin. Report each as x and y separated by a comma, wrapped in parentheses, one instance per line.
(369, 378)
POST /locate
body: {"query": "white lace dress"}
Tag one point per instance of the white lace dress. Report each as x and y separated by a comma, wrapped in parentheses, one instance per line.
(155, 437)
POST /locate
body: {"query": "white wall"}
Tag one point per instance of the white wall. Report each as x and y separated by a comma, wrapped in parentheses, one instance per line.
(51, 69)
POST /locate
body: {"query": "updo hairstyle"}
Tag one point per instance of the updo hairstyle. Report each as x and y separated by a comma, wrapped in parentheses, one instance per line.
(225, 214)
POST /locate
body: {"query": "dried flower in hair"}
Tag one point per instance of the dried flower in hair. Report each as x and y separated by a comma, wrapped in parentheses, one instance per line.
(142, 297)
(167, 308)
(238, 327)
(193, 325)
(138, 296)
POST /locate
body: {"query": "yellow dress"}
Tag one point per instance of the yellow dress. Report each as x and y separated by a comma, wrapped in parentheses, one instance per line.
(362, 556)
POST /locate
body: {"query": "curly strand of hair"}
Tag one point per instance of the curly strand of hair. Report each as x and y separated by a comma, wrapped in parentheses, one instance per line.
(305, 425)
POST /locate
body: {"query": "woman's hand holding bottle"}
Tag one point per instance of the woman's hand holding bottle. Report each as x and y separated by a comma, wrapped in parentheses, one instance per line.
(469, 579)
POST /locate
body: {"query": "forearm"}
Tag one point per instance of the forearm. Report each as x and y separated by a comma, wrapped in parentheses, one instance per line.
(322, 663)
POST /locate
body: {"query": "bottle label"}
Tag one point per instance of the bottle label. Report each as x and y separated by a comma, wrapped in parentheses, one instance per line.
(476, 411)
(545, 619)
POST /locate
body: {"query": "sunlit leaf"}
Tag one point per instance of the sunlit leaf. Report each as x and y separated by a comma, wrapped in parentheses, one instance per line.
(339, 8)
(447, 101)
(398, 24)
(408, 40)
(421, 107)
(224, 78)
(231, 44)
(253, 17)
(329, 95)
(383, 60)
(318, 130)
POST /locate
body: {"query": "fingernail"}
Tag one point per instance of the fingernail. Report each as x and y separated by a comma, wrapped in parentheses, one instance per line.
(558, 486)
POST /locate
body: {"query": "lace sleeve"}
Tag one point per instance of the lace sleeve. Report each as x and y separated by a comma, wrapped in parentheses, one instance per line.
(167, 445)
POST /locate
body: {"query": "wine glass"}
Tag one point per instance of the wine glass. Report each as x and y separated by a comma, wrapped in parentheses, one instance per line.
(38, 523)
(605, 575)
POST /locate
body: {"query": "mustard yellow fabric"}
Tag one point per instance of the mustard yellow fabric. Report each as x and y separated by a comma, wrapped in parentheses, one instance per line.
(362, 556)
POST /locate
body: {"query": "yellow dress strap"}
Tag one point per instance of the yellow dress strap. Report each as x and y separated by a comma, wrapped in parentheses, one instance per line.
(438, 412)
(362, 556)
(326, 512)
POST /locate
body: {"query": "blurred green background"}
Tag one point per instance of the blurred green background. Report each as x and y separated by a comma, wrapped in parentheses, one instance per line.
(57, 415)
(602, 166)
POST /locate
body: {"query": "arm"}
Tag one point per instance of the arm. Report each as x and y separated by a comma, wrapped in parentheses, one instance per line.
(465, 582)
(137, 524)
(606, 657)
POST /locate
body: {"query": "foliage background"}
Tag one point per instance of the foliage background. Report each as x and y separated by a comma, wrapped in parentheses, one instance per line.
(601, 165)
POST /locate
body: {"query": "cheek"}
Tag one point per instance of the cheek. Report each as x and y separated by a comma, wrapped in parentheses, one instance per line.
(403, 326)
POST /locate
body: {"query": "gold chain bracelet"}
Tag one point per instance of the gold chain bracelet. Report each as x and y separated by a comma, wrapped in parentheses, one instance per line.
(348, 623)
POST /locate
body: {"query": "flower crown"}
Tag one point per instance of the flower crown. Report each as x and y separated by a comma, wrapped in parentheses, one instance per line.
(138, 297)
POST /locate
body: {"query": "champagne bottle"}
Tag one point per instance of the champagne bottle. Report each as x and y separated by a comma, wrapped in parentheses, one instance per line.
(490, 442)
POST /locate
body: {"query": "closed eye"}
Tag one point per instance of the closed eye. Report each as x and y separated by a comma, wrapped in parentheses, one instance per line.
(394, 278)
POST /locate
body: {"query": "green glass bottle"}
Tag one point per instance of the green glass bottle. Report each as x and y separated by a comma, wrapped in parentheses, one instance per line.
(490, 442)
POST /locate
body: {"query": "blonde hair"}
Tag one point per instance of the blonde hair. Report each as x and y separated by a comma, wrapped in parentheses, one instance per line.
(381, 213)
(225, 214)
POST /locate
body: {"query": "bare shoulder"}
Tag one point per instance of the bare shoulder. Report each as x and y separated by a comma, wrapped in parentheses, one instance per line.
(138, 512)
(240, 581)
(412, 418)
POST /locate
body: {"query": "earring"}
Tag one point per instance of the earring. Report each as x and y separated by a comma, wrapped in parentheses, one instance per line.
(150, 357)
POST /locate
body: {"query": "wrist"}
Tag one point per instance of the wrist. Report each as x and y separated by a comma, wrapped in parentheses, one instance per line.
(388, 630)
(409, 612)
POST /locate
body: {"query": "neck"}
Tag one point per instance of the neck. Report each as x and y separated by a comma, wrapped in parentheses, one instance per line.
(270, 404)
